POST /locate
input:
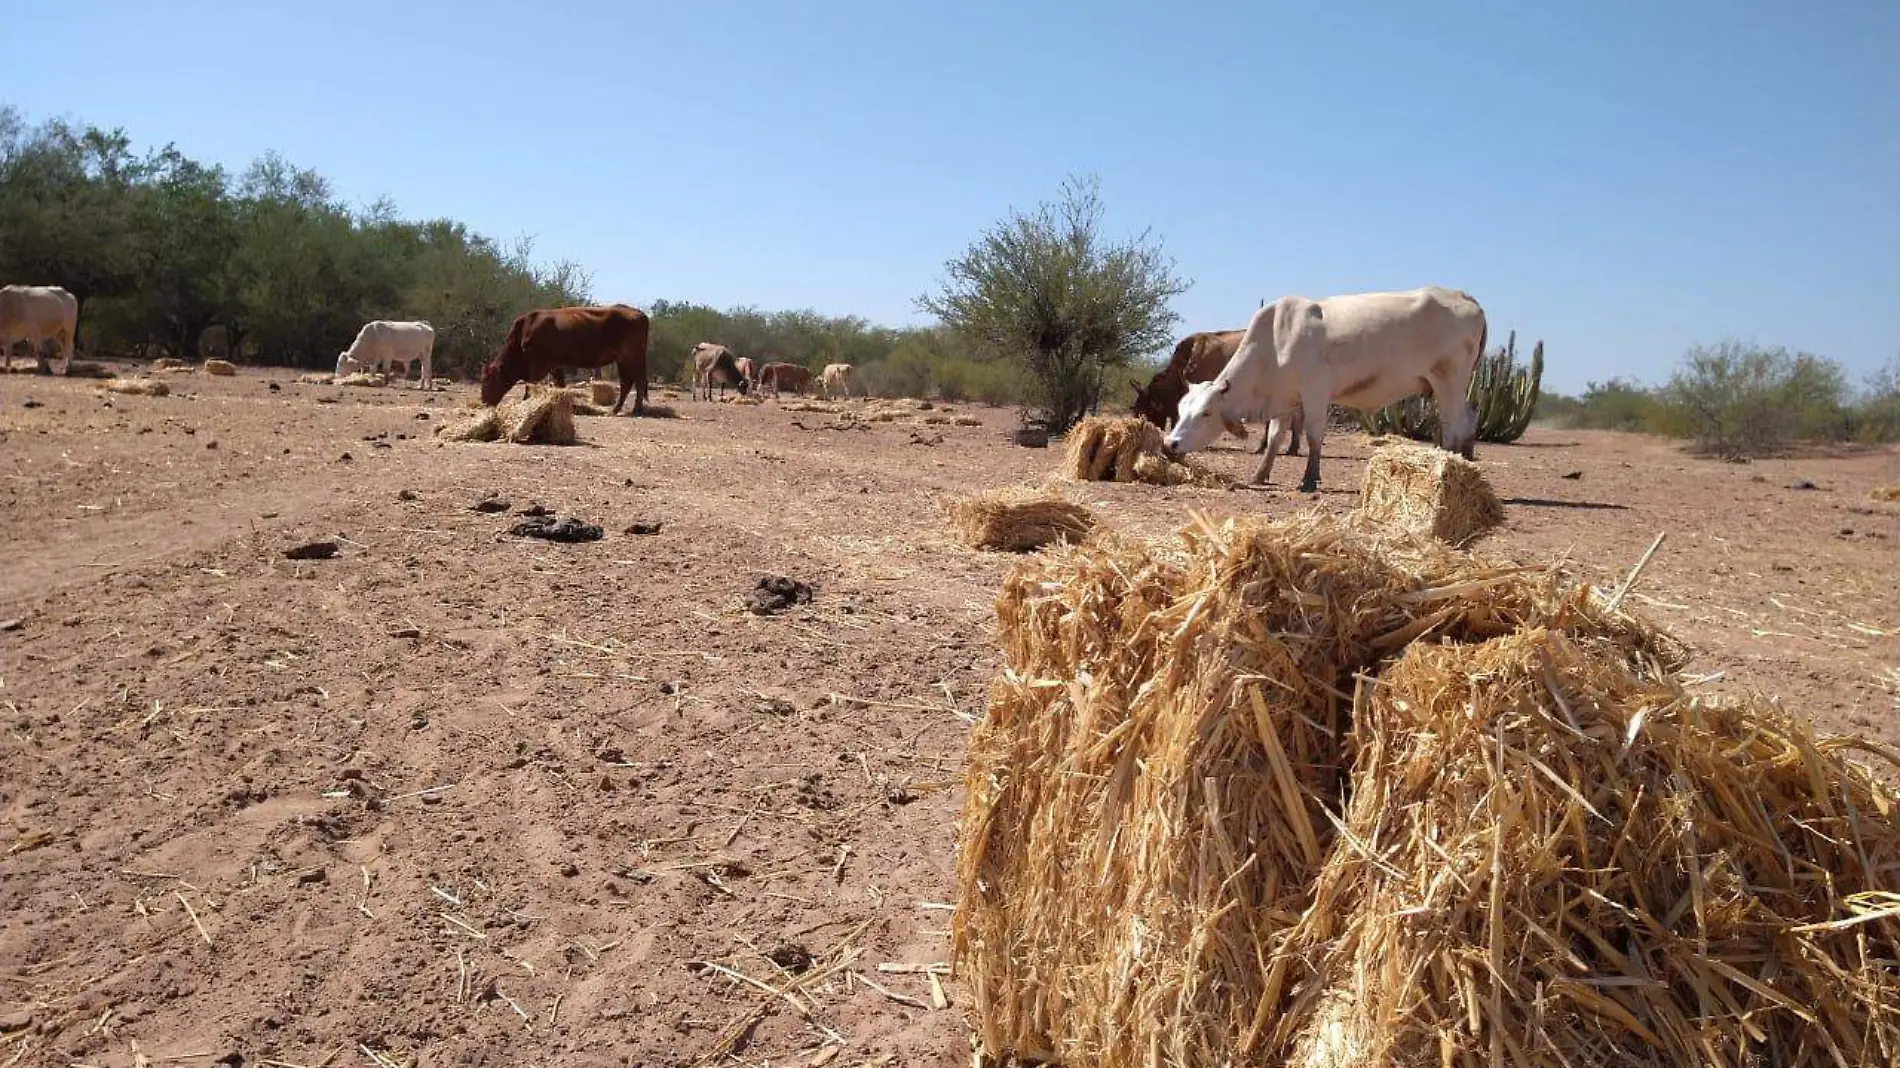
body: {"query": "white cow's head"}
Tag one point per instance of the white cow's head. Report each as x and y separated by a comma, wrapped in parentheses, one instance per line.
(1204, 411)
(345, 365)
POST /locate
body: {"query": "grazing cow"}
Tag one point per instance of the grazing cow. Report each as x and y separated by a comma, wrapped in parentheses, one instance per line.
(784, 376)
(1198, 358)
(748, 370)
(716, 363)
(383, 344)
(839, 377)
(551, 341)
(37, 315)
(1363, 350)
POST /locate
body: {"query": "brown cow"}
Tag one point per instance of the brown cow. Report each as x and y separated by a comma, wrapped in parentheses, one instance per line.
(783, 376)
(1198, 358)
(550, 341)
(716, 363)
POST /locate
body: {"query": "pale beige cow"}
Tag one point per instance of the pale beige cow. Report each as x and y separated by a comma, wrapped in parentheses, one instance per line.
(839, 379)
(37, 315)
(1362, 350)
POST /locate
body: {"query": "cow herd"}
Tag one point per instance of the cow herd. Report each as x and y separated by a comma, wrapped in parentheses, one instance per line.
(1295, 358)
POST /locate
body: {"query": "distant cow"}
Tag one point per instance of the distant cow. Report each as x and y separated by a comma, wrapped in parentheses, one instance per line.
(383, 344)
(716, 363)
(37, 315)
(1198, 358)
(839, 378)
(1363, 350)
(551, 341)
(779, 377)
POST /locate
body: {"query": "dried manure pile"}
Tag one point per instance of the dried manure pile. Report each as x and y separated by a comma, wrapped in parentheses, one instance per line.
(1126, 449)
(1303, 793)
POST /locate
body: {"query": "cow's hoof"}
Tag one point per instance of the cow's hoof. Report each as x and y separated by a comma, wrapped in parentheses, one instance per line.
(1309, 487)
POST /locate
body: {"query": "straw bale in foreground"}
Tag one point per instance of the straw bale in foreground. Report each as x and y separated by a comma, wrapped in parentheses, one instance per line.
(145, 387)
(1429, 491)
(1018, 519)
(223, 368)
(541, 419)
(1886, 493)
(1151, 872)
(1126, 449)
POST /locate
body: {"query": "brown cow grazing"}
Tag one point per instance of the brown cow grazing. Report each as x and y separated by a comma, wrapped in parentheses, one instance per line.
(783, 376)
(716, 363)
(1198, 358)
(551, 341)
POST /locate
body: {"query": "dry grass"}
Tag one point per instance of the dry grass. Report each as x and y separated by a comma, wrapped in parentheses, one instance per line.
(1018, 519)
(312, 378)
(1194, 835)
(369, 379)
(221, 368)
(1886, 493)
(603, 394)
(1429, 491)
(144, 387)
(545, 418)
(1127, 449)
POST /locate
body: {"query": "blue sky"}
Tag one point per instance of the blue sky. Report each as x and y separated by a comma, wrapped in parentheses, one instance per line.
(1621, 179)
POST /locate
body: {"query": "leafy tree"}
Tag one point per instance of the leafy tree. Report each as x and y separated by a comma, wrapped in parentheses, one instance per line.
(1046, 289)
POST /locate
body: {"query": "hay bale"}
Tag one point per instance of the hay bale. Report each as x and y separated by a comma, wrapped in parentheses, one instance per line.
(369, 379)
(1151, 873)
(167, 363)
(314, 379)
(1886, 493)
(966, 420)
(1018, 518)
(1429, 491)
(144, 387)
(1126, 449)
(603, 394)
(543, 418)
(221, 368)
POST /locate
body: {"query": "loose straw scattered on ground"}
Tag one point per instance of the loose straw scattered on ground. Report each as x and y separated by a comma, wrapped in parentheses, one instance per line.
(1886, 493)
(1428, 491)
(1126, 449)
(370, 379)
(1018, 518)
(1312, 793)
(145, 387)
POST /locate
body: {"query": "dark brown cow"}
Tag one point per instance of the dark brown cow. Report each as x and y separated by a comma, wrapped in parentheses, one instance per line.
(550, 341)
(716, 363)
(1198, 358)
(783, 376)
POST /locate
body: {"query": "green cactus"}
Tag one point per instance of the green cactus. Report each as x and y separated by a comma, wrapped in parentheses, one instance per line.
(1504, 394)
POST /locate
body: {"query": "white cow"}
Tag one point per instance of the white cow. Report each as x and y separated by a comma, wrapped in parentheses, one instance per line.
(1363, 350)
(839, 377)
(382, 344)
(36, 315)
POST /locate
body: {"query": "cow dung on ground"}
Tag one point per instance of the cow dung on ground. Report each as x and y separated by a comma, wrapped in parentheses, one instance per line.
(776, 593)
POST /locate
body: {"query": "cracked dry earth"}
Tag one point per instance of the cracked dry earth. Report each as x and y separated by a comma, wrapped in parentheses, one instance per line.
(457, 797)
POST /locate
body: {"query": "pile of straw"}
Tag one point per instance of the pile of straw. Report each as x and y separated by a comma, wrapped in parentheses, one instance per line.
(144, 387)
(167, 363)
(541, 419)
(314, 379)
(1126, 449)
(1429, 491)
(221, 368)
(1886, 493)
(603, 394)
(371, 379)
(1018, 518)
(1313, 794)
(580, 399)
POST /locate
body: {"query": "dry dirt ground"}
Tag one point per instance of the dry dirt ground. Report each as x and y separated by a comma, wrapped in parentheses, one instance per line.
(455, 797)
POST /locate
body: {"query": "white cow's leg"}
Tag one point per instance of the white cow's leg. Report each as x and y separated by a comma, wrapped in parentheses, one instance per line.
(1315, 412)
(428, 372)
(1265, 470)
(65, 353)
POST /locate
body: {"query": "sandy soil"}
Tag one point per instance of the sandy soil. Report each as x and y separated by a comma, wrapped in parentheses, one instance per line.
(455, 797)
